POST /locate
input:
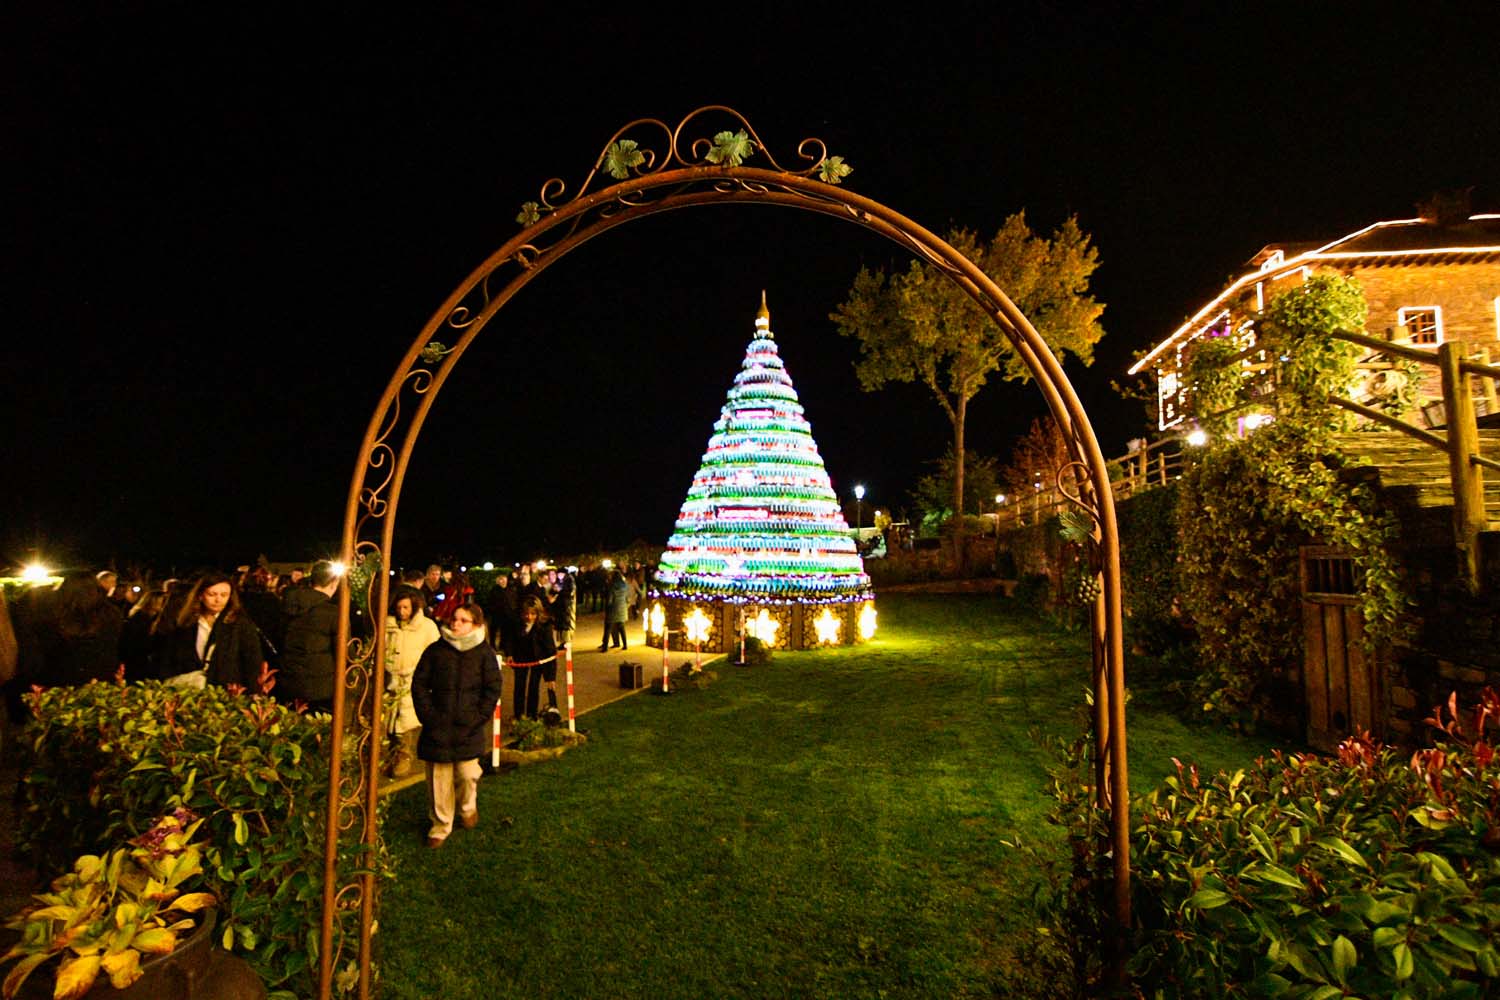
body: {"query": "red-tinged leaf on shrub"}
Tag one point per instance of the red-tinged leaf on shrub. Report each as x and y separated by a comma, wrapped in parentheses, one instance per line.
(1207, 899)
(1341, 847)
(156, 941)
(20, 971)
(123, 968)
(75, 977)
(1461, 936)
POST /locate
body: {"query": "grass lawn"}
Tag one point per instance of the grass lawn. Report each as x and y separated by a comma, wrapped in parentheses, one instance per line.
(828, 825)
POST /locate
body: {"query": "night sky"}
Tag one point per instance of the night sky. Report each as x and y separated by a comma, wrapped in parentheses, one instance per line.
(225, 227)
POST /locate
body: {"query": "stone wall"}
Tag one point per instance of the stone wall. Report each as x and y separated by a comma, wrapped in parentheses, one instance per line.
(1455, 646)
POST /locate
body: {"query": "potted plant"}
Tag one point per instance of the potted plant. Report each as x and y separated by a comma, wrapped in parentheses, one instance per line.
(112, 915)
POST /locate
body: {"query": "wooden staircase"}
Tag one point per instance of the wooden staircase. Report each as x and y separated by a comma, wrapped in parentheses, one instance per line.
(1419, 473)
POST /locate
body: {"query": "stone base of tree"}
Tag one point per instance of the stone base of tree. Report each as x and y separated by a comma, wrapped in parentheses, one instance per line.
(510, 755)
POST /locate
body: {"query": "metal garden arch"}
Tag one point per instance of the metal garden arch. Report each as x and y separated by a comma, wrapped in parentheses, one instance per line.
(630, 180)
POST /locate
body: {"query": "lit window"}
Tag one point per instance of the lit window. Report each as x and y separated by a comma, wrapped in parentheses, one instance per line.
(1424, 324)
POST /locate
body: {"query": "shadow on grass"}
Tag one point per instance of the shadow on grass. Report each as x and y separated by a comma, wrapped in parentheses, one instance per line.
(828, 825)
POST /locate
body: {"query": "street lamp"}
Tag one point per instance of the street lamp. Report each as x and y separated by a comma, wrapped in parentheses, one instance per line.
(999, 503)
(859, 507)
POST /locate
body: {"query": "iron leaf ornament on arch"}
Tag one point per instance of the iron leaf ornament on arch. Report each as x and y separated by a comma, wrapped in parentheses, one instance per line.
(625, 158)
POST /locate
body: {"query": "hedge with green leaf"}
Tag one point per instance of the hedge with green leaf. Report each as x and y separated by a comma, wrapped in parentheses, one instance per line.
(104, 760)
(1373, 873)
(1243, 509)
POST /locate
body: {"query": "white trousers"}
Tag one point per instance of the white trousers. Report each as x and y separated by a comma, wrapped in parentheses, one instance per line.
(445, 783)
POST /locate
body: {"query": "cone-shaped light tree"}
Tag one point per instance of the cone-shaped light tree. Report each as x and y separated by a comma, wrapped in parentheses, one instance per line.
(761, 543)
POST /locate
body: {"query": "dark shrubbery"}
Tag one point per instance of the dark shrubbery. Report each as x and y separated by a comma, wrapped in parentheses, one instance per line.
(1368, 874)
(104, 760)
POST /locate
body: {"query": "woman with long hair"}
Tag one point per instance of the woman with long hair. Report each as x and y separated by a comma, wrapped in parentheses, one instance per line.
(454, 690)
(214, 641)
(408, 633)
(78, 633)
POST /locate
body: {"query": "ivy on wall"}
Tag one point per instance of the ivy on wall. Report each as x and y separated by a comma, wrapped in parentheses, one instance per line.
(1245, 507)
(1148, 561)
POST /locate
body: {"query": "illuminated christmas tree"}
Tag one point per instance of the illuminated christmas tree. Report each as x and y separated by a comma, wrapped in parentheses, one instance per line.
(761, 542)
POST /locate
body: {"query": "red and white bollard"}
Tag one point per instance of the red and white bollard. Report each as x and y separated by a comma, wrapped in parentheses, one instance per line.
(665, 642)
(572, 716)
(495, 724)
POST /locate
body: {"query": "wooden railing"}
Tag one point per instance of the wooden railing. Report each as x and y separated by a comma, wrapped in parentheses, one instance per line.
(1154, 465)
(1161, 462)
(1461, 443)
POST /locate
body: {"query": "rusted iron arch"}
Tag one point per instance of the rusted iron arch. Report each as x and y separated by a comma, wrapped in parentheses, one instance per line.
(614, 206)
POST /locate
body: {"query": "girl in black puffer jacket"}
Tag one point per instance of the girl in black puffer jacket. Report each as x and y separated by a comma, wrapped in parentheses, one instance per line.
(454, 690)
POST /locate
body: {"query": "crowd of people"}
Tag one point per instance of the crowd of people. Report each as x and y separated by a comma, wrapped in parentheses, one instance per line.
(278, 635)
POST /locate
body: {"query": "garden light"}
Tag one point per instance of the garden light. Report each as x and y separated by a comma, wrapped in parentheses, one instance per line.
(867, 621)
(697, 625)
(828, 628)
(339, 569)
(656, 621)
(36, 573)
(763, 627)
(1197, 437)
(488, 566)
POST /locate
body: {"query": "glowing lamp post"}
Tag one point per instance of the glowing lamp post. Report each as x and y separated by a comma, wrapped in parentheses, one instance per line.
(859, 507)
(999, 504)
(695, 627)
(36, 573)
(656, 624)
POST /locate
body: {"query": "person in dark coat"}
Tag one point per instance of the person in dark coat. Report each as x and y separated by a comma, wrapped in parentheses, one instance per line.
(564, 614)
(616, 611)
(531, 650)
(78, 633)
(137, 648)
(264, 608)
(526, 587)
(312, 635)
(214, 641)
(501, 612)
(454, 690)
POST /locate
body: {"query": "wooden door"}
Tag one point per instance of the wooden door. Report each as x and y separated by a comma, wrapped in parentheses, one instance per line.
(1340, 682)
